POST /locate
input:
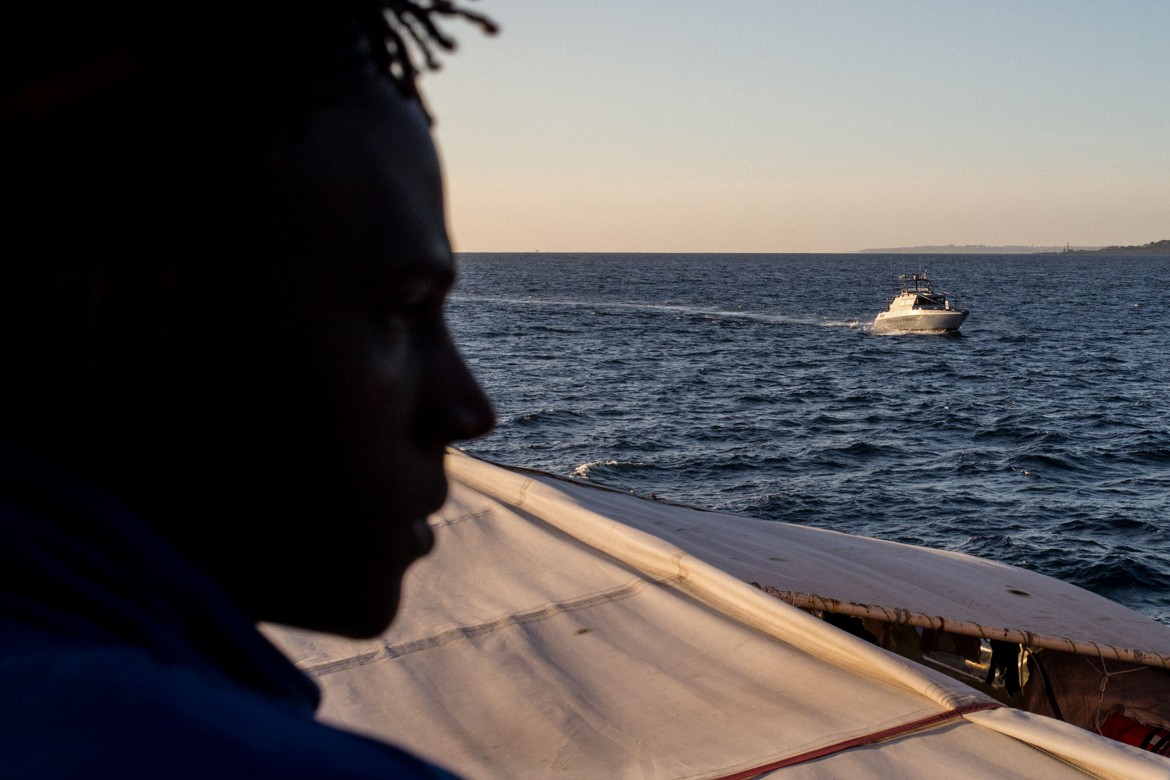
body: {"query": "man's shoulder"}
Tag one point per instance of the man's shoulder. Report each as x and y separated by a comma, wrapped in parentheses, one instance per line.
(114, 712)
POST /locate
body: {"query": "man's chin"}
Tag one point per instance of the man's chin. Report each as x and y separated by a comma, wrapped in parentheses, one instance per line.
(356, 615)
(369, 622)
(423, 537)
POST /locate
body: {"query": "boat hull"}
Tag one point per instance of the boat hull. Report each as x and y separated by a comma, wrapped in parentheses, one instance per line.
(921, 321)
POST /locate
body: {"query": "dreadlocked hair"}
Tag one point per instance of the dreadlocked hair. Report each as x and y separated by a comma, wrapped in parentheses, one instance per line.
(406, 25)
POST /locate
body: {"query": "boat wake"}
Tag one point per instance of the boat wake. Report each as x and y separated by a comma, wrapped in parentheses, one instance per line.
(851, 324)
(679, 310)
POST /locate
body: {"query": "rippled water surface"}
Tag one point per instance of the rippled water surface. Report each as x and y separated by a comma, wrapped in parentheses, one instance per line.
(1039, 435)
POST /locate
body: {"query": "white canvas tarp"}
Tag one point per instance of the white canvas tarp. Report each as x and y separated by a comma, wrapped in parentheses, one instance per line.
(899, 583)
(547, 636)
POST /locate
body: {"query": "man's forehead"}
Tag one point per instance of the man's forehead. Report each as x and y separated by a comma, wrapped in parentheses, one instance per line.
(359, 191)
(373, 143)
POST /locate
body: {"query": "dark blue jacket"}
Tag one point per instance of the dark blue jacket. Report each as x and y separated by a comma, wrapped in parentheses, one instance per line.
(121, 659)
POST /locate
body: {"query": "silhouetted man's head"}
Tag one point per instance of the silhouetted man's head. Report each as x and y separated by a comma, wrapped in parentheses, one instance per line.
(228, 301)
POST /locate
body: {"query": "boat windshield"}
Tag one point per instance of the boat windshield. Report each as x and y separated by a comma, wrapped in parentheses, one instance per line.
(937, 301)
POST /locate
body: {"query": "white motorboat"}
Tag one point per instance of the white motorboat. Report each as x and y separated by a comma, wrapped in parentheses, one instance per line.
(917, 307)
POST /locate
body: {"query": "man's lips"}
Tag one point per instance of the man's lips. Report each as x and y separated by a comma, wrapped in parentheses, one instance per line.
(424, 536)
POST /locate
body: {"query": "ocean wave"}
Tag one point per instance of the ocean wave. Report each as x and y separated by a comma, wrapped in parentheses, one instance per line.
(1114, 525)
(1119, 572)
(605, 468)
(545, 416)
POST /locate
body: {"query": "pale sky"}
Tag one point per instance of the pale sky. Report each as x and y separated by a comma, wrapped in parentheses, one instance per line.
(805, 125)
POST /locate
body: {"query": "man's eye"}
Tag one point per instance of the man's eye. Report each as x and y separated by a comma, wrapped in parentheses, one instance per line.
(407, 311)
(411, 310)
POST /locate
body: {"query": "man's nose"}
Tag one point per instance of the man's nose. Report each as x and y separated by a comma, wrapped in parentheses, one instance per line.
(459, 407)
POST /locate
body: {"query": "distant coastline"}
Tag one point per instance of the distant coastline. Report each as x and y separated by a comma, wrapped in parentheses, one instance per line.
(1153, 248)
(974, 249)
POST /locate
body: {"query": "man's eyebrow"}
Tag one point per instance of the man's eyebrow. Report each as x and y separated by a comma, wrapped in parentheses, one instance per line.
(426, 276)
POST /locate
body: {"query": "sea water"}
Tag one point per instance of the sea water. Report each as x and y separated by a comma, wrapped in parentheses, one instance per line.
(1038, 435)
